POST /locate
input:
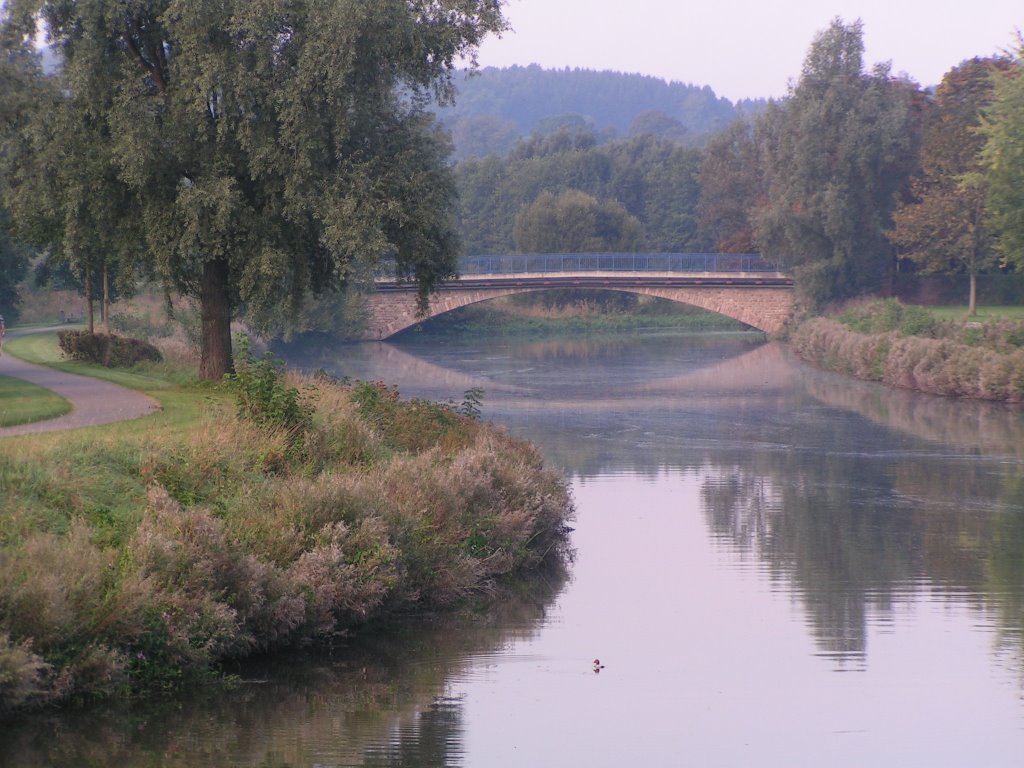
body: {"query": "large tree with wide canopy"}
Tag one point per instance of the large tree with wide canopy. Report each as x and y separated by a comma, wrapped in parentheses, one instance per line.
(269, 146)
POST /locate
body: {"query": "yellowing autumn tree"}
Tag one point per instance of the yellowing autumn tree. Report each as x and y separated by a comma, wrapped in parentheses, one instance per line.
(943, 227)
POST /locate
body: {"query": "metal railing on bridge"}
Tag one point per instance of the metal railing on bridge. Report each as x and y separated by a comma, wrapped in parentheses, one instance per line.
(614, 262)
(539, 263)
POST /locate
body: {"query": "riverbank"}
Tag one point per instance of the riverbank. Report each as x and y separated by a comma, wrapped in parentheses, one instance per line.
(910, 347)
(140, 555)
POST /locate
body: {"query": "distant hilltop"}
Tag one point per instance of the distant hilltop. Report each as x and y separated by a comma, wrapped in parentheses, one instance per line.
(497, 106)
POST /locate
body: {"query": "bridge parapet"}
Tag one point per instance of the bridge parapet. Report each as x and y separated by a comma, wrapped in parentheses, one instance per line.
(604, 278)
(615, 262)
(576, 263)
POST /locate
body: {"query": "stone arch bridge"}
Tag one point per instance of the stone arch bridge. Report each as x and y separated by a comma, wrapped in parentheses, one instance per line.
(740, 286)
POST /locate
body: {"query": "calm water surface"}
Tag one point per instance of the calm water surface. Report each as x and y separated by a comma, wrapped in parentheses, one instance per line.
(775, 566)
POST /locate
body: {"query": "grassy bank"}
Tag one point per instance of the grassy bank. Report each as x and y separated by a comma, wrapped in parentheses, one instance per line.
(139, 555)
(984, 313)
(914, 348)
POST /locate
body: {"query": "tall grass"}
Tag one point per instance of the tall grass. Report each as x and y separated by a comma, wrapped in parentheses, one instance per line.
(907, 348)
(135, 557)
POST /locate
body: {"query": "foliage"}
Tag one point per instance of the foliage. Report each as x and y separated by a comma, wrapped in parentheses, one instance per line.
(514, 101)
(13, 267)
(109, 351)
(654, 180)
(263, 394)
(266, 149)
(890, 315)
(63, 185)
(660, 125)
(1003, 158)
(412, 426)
(338, 314)
(575, 222)
(836, 153)
(942, 228)
(138, 558)
(906, 346)
(731, 187)
(472, 401)
(16, 72)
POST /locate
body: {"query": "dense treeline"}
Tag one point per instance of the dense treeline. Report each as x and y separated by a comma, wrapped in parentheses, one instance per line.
(859, 173)
(652, 180)
(244, 154)
(498, 106)
(855, 175)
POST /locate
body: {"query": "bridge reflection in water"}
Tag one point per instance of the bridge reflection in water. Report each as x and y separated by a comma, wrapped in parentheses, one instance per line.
(741, 286)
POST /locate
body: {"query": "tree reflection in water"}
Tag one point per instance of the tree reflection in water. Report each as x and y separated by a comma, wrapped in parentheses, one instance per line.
(855, 494)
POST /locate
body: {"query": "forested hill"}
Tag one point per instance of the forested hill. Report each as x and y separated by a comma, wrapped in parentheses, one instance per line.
(496, 107)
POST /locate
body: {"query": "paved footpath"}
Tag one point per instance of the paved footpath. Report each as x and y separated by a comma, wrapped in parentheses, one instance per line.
(92, 401)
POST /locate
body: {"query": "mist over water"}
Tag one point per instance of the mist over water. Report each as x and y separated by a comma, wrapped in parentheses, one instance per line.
(774, 566)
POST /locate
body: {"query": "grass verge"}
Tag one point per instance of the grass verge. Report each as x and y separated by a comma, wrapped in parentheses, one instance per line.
(24, 403)
(985, 313)
(139, 555)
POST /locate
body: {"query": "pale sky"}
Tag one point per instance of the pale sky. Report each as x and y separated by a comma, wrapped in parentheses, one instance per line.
(747, 48)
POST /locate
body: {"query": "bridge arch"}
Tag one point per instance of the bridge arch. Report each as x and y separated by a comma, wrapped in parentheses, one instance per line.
(764, 307)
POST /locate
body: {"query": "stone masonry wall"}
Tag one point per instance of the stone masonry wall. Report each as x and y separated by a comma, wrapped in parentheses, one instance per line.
(766, 309)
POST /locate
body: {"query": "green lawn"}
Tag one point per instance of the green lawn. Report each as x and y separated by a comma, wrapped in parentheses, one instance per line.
(984, 312)
(43, 349)
(180, 394)
(24, 403)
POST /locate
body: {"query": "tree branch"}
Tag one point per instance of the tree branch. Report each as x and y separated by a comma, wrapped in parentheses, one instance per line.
(153, 69)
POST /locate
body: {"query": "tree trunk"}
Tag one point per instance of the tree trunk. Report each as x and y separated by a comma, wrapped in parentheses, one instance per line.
(88, 299)
(105, 307)
(972, 304)
(215, 313)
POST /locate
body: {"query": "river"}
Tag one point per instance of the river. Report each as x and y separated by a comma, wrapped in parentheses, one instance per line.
(775, 566)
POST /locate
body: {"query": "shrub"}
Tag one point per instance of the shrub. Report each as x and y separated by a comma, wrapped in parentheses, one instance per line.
(141, 325)
(889, 315)
(264, 395)
(22, 676)
(228, 546)
(1014, 336)
(415, 425)
(109, 351)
